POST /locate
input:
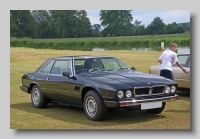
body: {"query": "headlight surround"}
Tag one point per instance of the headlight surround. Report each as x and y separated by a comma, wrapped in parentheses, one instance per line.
(167, 89)
(128, 93)
(120, 94)
(173, 89)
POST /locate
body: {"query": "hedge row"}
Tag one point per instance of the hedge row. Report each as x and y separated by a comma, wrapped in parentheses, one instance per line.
(89, 45)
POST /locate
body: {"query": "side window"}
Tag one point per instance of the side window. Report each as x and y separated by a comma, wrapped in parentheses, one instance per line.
(61, 66)
(47, 67)
(182, 59)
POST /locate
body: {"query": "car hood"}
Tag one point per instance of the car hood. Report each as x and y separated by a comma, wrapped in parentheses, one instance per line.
(127, 79)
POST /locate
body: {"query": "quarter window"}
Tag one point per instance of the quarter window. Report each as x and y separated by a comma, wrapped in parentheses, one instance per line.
(47, 68)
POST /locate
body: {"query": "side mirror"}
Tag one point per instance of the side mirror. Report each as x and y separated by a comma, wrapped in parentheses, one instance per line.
(133, 68)
(68, 75)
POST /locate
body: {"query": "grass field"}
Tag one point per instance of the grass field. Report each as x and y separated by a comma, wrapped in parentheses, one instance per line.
(24, 116)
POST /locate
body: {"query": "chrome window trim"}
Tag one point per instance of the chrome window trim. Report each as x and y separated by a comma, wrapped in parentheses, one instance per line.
(72, 67)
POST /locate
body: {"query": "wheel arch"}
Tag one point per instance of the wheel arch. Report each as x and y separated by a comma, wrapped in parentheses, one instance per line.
(31, 86)
(88, 88)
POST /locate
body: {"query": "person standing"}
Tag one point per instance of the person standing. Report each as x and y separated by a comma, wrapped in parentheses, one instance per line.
(167, 58)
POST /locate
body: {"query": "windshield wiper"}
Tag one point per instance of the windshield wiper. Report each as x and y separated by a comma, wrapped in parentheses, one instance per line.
(100, 70)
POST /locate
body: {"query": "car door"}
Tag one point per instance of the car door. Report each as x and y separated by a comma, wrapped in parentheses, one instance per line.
(186, 77)
(53, 84)
(42, 76)
(179, 76)
(61, 86)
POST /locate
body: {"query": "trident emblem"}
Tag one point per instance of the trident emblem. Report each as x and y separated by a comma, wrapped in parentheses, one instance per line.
(150, 90)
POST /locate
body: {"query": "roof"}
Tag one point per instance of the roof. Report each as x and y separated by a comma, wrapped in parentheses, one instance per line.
(79, 57)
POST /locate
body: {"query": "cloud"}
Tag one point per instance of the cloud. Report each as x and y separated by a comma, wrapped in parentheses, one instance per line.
(147, 16)
(168, 16)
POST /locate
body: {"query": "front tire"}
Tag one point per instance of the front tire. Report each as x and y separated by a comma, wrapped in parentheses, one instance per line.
(94, 106)
(37, 98)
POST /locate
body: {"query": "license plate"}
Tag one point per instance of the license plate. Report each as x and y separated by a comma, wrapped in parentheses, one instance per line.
(151, 105)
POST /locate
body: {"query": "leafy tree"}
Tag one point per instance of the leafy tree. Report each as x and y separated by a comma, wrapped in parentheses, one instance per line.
(71, 23)
(83, 25)
(96, 30)
(14, 24)
(156, 26)
(170, 29)
(141, 30)
(136, 27)
(64, 20)
(186, 26)
(96, 27)
(175, 24)
(116, 22)
(45, 26)
(22, 24)
(180, 29)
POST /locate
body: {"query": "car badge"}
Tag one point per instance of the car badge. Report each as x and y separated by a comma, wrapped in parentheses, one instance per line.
(148, 82)
(150, 91)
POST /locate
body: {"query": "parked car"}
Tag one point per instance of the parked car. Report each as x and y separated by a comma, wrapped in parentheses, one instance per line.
(180, 77)
(97, 84)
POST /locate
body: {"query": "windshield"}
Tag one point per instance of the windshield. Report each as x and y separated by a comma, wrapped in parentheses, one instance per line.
(98, 64)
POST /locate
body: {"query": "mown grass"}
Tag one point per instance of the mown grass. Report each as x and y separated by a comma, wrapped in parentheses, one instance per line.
(24, 116)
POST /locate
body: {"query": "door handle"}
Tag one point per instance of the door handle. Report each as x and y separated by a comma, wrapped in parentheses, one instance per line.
(47, 78)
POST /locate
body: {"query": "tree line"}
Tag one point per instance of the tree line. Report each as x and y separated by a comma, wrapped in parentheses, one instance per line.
(75, 24)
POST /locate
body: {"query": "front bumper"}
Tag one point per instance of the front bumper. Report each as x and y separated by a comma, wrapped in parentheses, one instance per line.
(138, 102)
(25, 89)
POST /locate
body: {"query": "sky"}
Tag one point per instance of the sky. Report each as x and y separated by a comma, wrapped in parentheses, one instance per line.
(147, 16)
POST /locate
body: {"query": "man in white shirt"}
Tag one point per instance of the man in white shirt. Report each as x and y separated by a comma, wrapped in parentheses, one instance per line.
(167, 58)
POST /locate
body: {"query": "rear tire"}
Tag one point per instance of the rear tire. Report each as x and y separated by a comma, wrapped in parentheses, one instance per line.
(94, 106)
(157, 110)
(37, 98)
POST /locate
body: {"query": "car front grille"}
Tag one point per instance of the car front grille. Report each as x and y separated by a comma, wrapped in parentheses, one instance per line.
(147, 90)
